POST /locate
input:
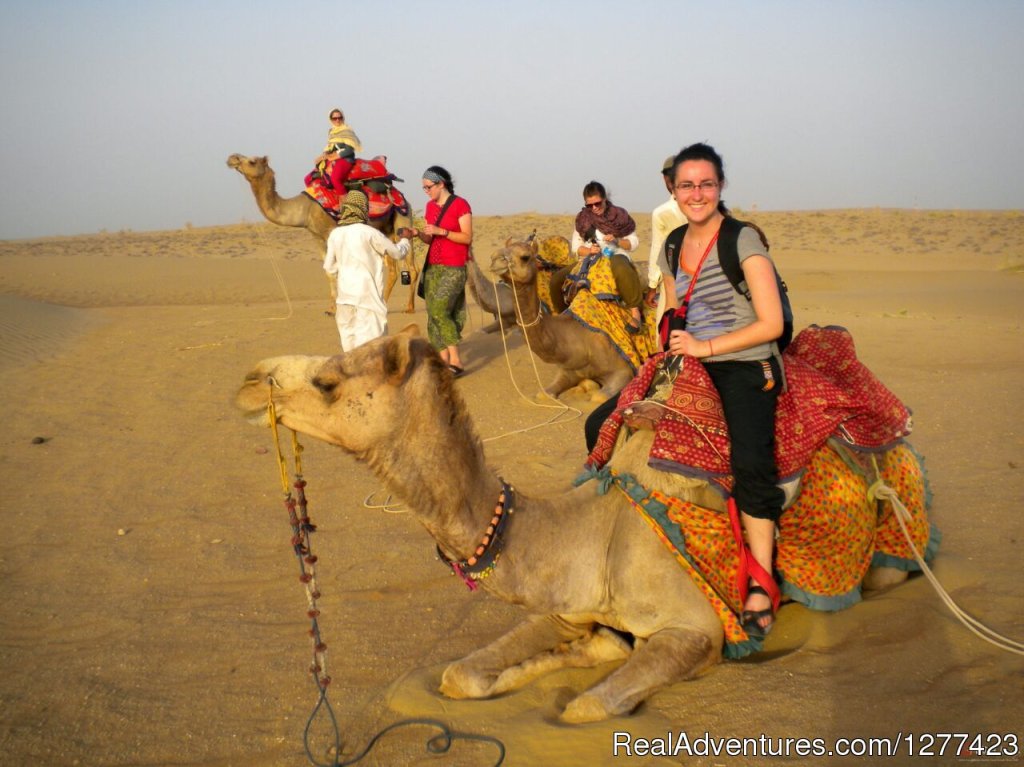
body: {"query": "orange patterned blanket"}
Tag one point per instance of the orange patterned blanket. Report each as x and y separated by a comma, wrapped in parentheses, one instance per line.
(827, 539)
(834, 530)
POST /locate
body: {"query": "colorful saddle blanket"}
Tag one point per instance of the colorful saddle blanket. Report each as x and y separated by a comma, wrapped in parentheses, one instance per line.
(372, 178)
(834, 530)
(829, 393)
(827, 539)
(596, 307)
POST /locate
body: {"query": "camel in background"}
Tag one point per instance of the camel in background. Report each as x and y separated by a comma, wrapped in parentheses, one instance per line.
(302, 211)
(579, 353)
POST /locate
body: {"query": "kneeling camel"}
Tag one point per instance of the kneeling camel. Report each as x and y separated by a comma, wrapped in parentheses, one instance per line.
(614, 576)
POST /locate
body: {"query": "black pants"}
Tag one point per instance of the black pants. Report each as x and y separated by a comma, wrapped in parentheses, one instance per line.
(750, 416)
(592, 426)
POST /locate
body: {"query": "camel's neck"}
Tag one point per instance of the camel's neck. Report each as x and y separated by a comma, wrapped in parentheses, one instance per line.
(443, 475)
(527, 305)
(276, 209)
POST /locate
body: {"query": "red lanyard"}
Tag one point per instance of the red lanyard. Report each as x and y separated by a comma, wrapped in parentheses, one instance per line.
(681, 311)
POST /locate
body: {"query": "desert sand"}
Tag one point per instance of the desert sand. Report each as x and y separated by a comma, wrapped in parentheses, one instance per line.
(152, 613)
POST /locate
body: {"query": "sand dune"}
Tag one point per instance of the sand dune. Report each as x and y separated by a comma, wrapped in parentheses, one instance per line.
(152, 614)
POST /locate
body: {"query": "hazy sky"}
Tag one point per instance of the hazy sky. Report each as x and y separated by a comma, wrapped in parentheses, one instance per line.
(120, 115)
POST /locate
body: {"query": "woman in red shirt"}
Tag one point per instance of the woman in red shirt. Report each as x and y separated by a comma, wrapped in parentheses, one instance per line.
(449, 234)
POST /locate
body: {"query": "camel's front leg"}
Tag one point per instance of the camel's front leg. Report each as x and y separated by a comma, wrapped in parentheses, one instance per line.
(616, 382)
(390, 277)
(476, 675)
(563, 380)
(409, 265)
(669, 656)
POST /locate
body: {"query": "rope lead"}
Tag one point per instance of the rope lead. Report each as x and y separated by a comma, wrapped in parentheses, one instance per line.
(302, 529)
(881, 491)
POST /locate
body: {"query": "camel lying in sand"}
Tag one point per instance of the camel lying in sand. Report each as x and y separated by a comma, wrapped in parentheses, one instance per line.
(614, 576)
(497, 299)
(579, 353)
(302, 211)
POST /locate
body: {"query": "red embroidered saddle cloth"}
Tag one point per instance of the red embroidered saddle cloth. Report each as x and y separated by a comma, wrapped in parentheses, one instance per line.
(377, 182)
(374, 180)
(829, 393)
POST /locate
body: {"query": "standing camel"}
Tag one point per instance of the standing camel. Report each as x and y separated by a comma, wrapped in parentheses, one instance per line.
(599, 584)
(303, 211)
(578, 352)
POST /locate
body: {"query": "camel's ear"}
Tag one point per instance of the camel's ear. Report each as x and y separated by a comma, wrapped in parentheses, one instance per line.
(403, 353)
(534, 246)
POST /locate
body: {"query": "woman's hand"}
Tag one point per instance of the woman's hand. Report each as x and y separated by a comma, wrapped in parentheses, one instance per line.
(434, 231)
(681, 342)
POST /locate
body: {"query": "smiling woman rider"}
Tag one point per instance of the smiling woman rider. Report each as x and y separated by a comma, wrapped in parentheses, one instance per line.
(735, 339)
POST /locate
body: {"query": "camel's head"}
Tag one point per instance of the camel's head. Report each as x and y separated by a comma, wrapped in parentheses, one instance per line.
(250, 167)
(516, 262)
(358, 400)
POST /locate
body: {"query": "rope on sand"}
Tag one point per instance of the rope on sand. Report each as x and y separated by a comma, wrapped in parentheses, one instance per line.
(561, 407)
(280, 281)
(880, 490)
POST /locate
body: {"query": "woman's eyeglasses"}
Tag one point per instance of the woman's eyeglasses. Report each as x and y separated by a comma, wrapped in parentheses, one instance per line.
(686, 187)
(428, 187)
(335, 118)
(594, 205)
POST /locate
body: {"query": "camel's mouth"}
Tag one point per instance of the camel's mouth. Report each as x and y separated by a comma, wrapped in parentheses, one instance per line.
(252, 400)
(501, 264)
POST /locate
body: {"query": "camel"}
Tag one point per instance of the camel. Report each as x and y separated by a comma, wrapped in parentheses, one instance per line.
(615, 579)
(302, 211)
(554, 248)
(494, 298)
(579, 353)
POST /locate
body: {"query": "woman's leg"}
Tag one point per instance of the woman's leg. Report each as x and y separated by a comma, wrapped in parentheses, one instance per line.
(592, 426)
(446, 310)
(627, 281)
(629, 287)
(750, 415)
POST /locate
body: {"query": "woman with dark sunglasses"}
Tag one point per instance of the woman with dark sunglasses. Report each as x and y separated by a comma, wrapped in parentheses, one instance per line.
(340, 134)
(603, 228)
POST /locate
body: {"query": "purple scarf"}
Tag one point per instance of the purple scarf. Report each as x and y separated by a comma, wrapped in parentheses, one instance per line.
(614, 221)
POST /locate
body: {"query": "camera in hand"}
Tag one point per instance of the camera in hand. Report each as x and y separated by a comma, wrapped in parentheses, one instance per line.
(406, 279)
(676, 322)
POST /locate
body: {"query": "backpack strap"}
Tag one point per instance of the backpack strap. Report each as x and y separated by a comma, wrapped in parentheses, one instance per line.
(728, 250)
(673, 247)
(729, 254)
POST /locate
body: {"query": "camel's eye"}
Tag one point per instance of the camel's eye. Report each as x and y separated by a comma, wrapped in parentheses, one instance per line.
(326, 384)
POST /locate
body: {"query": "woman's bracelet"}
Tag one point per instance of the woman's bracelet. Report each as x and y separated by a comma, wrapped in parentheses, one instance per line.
(711, 349)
